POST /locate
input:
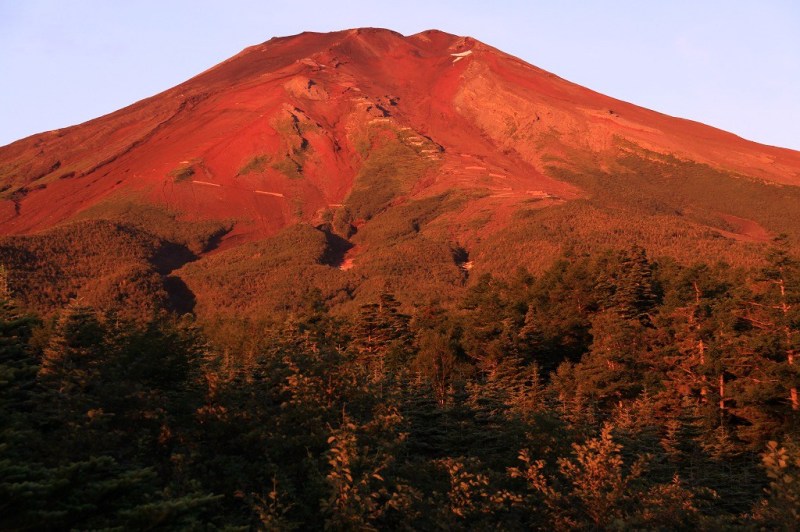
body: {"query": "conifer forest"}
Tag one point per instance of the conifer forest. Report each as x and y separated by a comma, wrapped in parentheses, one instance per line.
(611, 391)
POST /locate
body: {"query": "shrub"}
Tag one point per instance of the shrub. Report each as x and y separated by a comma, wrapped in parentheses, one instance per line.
(257, 164)
(182, 173)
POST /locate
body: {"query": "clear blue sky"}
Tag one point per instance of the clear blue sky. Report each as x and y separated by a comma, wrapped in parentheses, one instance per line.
(733, 64)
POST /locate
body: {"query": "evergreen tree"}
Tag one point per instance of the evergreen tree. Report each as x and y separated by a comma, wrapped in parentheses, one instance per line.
(436, 361)
(63, 465)
(381, 336)
(613, 370)
(769, 377)
(703, 347)
(781, 510)
(20, 474)
(628, 287)
(557, 318)
(70, 376)
(490, 325)
(781, 306)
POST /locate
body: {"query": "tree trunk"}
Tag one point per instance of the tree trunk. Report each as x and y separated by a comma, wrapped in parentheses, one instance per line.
(789, 348)
(701, 348)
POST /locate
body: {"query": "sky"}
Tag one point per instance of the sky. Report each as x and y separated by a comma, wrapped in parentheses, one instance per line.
(733, 64)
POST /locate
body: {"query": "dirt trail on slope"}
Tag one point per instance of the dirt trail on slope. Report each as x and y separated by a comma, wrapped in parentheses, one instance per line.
(745, 230)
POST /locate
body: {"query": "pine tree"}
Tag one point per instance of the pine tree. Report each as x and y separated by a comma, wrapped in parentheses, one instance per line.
(782, 508)
(436, 361)
(613, 370)
(768, 382)
(782, 305)
(69, 374)
(701, 354)
(20, 474)
(556, 322)
(489, 325)
(60, 459)
(381, 336)
(627, 286)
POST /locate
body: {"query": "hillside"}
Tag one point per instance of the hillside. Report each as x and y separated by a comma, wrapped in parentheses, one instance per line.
(413, 155)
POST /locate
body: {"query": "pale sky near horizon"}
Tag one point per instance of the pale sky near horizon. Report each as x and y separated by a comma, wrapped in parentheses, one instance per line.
(731, 64)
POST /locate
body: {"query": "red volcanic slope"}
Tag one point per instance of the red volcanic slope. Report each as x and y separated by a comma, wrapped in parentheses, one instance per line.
(484, 119)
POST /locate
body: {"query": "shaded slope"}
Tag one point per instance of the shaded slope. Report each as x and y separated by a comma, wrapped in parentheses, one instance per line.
(102, 264)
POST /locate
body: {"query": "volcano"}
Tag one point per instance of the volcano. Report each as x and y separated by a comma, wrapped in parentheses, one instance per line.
(361, 159)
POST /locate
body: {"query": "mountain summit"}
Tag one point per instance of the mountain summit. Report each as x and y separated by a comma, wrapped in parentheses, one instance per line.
(400, 156)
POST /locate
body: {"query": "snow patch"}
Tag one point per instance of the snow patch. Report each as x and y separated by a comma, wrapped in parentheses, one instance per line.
(461, 55)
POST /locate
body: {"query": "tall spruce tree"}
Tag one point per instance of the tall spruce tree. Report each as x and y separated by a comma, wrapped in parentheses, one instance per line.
(381, 336)
(769, 380)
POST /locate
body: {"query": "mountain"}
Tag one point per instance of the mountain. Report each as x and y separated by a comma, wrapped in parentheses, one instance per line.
(363, 159)
(362, 281)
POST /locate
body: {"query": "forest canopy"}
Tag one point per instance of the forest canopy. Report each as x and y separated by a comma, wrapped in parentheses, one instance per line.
(610, 391)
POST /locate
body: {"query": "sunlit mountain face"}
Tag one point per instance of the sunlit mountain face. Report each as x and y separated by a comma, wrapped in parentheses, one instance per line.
(366, 157)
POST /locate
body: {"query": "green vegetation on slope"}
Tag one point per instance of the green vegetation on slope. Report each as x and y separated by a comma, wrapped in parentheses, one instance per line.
(397, 248)
(260, 278)
(105, 264)
(654, 184)
(256, 164)
(671, 207)
(391, 167)
(182, 173)
(537, 236)
(198, 236)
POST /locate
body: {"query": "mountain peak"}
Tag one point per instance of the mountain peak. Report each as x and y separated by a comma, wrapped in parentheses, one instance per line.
(300, 127)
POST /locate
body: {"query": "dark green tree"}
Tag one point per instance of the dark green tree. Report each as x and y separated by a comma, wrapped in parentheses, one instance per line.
(381, 336)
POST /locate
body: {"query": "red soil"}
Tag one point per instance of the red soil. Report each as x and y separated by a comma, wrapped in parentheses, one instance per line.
(313, 97)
